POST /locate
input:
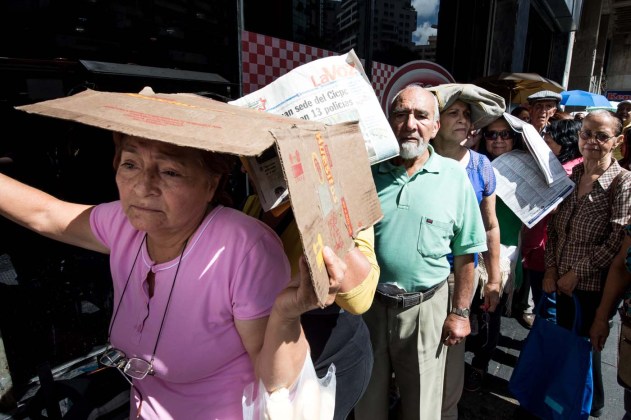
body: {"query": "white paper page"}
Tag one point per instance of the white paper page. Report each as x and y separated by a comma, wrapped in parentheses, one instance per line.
(521, 185)
(331, 90)
(547, 162)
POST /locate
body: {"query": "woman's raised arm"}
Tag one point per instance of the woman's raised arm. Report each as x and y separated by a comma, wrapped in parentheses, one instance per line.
(47, 215)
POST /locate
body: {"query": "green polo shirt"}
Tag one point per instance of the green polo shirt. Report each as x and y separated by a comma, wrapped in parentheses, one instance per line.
(426, 216)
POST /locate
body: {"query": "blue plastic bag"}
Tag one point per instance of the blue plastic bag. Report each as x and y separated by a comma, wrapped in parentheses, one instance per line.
(553, 375)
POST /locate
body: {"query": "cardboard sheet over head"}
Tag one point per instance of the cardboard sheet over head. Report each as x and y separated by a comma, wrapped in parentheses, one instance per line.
(326, 166)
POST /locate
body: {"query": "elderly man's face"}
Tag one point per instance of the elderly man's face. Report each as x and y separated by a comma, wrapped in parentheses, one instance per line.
(624, 111)
(540, 113)
(413, 121)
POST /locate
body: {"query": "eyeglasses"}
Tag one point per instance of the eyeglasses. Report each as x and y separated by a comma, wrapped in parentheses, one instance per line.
(493, 135)
(133, 367)
(599, 136)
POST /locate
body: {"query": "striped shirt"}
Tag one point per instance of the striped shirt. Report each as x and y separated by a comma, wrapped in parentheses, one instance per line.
(585, 234)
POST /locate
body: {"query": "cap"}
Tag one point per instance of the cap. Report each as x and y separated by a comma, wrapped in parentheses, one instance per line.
(544, 95)
(486, 106)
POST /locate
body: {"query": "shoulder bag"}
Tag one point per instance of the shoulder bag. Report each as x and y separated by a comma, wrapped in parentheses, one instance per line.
(553, 375)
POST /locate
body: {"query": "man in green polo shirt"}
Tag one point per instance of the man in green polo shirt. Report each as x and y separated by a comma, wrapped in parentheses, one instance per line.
(430, 210)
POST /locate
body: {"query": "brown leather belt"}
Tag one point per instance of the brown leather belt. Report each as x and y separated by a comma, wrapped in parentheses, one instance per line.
(406, 300)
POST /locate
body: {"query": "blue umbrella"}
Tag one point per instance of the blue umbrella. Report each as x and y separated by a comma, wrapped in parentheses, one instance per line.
(583, 98)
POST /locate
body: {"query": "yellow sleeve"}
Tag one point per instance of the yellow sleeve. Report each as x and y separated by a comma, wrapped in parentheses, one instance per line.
(359, 299)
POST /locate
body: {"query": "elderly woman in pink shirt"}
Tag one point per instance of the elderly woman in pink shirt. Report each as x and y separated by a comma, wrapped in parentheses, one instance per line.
(202, 305)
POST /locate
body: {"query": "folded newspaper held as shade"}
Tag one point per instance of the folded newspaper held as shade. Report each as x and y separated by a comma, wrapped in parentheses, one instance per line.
(531, 183)
(550, 167)
(329, 90)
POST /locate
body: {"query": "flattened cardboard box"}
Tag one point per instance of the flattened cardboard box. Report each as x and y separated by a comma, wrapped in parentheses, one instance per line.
(327, 168)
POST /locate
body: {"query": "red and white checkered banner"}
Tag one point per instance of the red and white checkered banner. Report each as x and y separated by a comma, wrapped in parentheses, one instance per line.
(265, 59)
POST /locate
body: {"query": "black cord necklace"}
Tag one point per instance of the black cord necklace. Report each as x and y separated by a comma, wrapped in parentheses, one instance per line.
(144, 239)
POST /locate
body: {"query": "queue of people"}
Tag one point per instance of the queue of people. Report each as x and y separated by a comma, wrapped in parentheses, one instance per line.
(196, 320)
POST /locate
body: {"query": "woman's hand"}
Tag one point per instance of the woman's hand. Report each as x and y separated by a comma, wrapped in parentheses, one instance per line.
(336, 267)
(567, 283)
(492, 295)
(300, 297)
(598, 333)
(549, 282)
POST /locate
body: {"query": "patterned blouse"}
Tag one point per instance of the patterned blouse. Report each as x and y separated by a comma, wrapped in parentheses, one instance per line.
(585, 235)
(626, 299)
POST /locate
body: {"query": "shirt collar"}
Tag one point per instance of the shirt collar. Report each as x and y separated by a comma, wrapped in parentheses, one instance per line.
(607, 177)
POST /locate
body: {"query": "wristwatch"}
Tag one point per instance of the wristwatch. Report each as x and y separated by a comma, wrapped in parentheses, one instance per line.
(463, 312)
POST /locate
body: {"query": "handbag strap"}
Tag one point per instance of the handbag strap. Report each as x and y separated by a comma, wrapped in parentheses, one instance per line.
(611, 192)
(578, 320)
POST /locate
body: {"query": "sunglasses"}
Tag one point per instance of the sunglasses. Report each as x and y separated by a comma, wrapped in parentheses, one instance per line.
(493, 135)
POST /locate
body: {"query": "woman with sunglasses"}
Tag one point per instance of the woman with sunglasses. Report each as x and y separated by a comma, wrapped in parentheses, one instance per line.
(585, 233)
(497, 138)
(202, 304)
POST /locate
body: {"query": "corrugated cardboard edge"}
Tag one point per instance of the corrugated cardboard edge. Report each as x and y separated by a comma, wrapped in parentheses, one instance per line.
(354, 184)
(181, 119)
(195, 121)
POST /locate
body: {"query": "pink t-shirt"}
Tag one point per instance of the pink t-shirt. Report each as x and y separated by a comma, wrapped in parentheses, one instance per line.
(233, 268)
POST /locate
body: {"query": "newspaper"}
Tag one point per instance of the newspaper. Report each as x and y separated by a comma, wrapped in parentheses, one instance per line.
(547, 162)
(532, 183)
(523, 188)
(330, 90)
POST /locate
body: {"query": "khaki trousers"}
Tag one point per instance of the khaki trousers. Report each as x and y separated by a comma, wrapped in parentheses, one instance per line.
(454, 372)
(408, 343)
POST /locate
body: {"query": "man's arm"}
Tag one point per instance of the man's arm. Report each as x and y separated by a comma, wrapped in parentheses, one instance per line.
(618, 280)
(457, 327)
(360, 282)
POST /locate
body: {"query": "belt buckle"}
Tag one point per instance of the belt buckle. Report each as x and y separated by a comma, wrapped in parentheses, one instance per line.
(408, 301)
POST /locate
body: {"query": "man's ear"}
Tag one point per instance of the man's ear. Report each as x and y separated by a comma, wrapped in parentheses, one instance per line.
(436, 128)
(618, 140)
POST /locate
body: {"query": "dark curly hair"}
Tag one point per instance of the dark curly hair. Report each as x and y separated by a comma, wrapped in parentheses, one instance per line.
(518, 110)
(565, 134)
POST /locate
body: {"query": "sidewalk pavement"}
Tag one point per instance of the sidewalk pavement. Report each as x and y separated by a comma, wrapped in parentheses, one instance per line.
(494, 401)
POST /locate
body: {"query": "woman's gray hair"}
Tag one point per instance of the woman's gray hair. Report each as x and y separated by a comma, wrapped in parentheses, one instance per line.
(615, 121)
(415, 86)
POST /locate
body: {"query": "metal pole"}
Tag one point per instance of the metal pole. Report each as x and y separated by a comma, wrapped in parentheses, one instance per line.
(368, 39)
(239, 46)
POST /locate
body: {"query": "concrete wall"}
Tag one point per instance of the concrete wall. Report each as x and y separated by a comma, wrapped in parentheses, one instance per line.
(585, 46)
(619, 65)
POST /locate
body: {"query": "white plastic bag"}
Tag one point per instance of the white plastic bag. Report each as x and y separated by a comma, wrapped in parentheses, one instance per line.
(309, 398)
